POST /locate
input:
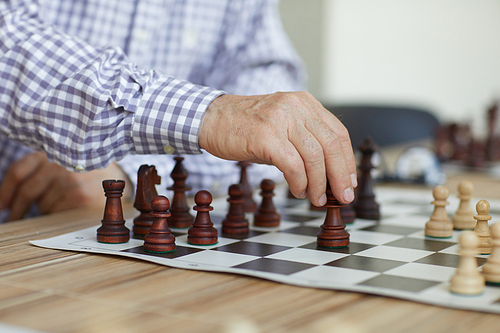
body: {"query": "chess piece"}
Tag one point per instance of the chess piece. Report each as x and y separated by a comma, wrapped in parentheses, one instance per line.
(477, 154)
(467, 279)
(235, 221)
(332, 232)
(180, 216)
(159, 239)
(439, 226)
(266, 215)
(366, 207)
(491, 270)
(347, 212)
(482, 229)
(113, 229)
(202, 231)
(147, 178)
(464, 217)
(460, 136)
(492, 142)
(249, 205)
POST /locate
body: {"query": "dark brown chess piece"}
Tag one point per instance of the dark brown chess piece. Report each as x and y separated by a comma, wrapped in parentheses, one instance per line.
(159, 239)
(235, 221)
(460, 136)
(365, 206)
(113, 229)
(477, 154)
(266, 215)
(180, 216)
(332, 232)
(249, 205)
(347, 212)
(147, 178)
(202, 232)
(493, 140)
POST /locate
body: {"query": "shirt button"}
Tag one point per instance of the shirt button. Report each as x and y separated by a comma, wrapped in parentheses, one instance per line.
(79, 168)
(168, 150)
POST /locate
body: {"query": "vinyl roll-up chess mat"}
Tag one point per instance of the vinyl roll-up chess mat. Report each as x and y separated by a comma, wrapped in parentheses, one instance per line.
(391, 257)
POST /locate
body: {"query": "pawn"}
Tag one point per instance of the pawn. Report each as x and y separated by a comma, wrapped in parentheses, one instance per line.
(113, 229)
(266, 215)
(202, 232)
(467, 279)
(464, 217)
(235, 222)
(439, 226)
(491, 270)
(159, 238)
(482, 229)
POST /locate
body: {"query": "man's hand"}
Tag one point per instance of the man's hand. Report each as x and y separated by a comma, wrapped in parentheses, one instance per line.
(293, 131)
(34, 179)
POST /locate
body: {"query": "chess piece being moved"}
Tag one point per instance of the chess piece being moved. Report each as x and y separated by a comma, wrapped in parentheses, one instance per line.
(332, 232)
(159, 239)
(439, 226)
(235, 221)
(482, 229)
(249, 205)
(147, 178)
(202, 232)
(266, 215)
(467, 279)
(113, 229)
(180, 216)
(366, 207)
(491, 270)
(464, 217)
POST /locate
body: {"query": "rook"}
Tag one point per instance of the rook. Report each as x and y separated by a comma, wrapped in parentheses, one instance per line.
(113, 229)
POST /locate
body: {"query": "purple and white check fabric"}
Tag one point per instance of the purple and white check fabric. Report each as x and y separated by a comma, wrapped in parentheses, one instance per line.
(91, 82)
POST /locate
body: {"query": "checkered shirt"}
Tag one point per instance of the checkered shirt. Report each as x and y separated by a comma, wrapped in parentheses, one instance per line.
(91, 82)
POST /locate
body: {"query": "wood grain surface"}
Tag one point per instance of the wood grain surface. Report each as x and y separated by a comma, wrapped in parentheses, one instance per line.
(62, 291)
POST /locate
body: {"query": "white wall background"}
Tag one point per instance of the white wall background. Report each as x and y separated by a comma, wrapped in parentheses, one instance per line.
(439, 54)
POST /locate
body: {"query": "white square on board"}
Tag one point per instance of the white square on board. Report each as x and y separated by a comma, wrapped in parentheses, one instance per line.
(307, 256)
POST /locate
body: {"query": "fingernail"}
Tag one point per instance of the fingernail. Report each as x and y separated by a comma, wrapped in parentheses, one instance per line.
(303, 195)
(322, 200)
(354, 180)
(348, 194)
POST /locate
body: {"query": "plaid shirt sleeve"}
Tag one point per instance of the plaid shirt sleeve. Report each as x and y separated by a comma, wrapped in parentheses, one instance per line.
(87, 106)
(256, 57)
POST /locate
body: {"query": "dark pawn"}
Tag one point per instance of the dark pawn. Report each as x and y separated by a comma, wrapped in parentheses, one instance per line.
(147, 178)
(113, 229)
(332, 232)
(180, 217)
(159, 239)
(235, 222)
(365, 206)
(202, 232)
(249, 205)
(266, 215)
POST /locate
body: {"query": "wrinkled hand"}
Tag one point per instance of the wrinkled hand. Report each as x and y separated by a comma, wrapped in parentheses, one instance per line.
(34, 179)
(293, 131)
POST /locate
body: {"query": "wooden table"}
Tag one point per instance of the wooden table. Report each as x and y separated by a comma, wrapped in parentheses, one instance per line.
(59, 291)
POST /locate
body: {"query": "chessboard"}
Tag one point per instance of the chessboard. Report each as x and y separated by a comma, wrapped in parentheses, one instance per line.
(390, 257)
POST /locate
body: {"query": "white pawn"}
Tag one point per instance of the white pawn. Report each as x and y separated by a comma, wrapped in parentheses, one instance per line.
(464, 217)
(482, 229)
(491, 270)
(467, 279)
(439, 225)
